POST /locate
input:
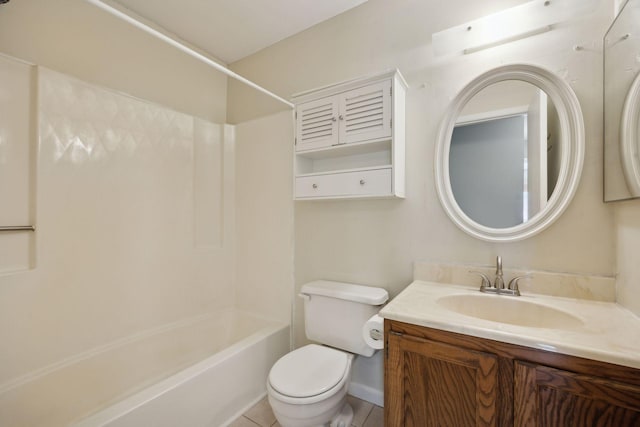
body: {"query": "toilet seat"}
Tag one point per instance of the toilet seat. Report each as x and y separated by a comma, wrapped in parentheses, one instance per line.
(310, 373)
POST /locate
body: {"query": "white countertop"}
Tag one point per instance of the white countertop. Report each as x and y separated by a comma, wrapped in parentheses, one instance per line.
(609, 332)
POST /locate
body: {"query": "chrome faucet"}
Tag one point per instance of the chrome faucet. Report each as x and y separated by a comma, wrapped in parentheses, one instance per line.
(498, 282)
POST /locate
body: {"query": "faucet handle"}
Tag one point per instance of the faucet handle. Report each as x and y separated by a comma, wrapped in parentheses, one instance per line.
(513, 283)
(486, 282)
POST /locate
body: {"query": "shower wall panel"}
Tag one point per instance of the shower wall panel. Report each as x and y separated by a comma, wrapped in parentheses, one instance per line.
(121, 198)
(17, 163)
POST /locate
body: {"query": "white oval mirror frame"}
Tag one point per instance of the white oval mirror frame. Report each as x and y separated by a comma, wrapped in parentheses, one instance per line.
(572, 151)
(629, 138)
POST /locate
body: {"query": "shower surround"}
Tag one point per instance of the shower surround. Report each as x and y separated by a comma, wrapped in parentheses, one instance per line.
(134, 211)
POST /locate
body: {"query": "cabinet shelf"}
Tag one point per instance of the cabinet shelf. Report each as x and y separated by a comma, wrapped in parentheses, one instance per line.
(332, 172)
(342, 150)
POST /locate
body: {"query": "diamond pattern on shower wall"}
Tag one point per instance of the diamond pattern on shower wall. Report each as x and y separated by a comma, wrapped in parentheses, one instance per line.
(81, 122)
(116, 188)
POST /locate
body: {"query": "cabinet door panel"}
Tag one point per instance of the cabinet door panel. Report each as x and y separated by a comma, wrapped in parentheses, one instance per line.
(365, 113)
(550, 397)
(316, 124)
(435, 384)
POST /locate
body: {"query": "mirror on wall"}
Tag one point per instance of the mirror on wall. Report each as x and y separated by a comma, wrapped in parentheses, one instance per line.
(622, 105)
(503, 159)
(509, 153)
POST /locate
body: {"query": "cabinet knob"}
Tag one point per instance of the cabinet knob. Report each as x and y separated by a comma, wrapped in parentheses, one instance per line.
(341, 117)
(333, 119)
(362, 182)
(315, 185)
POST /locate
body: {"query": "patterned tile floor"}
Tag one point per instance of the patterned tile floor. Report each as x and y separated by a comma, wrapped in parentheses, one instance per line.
(261, 415)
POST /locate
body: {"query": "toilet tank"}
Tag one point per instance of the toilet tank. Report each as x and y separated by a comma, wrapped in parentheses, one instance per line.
(335, 312)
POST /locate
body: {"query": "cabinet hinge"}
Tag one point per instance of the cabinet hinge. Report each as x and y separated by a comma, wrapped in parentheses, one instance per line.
(390, 123)
(296, 115)
(398, 334)
(295, 141)
(391, 91)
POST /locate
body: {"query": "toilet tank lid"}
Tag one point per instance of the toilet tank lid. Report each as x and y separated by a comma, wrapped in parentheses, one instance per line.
(346, 291)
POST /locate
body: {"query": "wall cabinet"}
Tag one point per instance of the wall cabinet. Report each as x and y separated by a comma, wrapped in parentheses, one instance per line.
(350, 139)
(437, 378)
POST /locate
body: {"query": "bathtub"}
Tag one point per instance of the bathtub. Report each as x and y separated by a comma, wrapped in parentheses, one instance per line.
(203, 371)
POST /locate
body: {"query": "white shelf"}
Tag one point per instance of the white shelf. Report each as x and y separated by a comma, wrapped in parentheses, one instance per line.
(332, 172)
(352, 149)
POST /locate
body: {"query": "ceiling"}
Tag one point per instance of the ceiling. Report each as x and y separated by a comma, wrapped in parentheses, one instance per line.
(233, 29)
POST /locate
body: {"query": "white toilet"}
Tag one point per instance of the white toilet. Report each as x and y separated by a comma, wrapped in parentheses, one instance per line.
(308, 387)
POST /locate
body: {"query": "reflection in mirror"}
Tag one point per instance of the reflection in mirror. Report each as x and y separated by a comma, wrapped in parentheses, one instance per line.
(504, 158)
(622, 105)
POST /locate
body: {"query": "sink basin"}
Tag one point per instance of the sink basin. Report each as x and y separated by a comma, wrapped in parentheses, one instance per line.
(509, 310)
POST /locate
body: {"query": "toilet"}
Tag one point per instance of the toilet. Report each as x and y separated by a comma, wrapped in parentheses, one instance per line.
(308, 386)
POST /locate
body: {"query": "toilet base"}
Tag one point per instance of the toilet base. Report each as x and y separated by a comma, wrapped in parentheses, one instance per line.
(343, 418)
(333, 412)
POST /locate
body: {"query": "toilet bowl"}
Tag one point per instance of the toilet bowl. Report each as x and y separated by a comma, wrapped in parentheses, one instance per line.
(308, 386)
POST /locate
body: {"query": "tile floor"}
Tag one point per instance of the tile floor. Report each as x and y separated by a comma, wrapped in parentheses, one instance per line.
(260, 415)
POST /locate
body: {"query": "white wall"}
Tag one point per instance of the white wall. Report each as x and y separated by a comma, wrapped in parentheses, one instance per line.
(264, 212)
(375, 242)
(627, 247)
(627, 243)
(76, 38)
(627, 230)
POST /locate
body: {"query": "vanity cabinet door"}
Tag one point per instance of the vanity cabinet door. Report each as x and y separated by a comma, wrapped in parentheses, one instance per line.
(550, 397)
(428, 383)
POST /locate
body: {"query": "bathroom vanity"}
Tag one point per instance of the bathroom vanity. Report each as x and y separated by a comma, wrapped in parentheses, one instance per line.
(443, 367)
(562, 354)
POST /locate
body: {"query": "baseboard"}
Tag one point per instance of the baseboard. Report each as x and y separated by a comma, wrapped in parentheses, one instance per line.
(243, 410)
(367, 393)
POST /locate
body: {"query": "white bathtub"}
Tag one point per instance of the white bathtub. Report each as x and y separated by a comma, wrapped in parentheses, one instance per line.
(203, 371)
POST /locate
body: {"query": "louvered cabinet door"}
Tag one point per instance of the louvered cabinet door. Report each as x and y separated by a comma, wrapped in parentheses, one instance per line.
(317, 124)
(365, 113)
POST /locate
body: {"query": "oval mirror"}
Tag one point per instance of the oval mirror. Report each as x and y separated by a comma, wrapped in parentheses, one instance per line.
(622, 105)
(510, 153)
(630, 138)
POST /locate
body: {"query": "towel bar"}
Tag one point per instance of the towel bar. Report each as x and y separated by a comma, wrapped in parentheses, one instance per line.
(18, 228)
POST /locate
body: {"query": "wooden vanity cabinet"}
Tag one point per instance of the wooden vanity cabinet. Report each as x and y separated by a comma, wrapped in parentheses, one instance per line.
(438, 378)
